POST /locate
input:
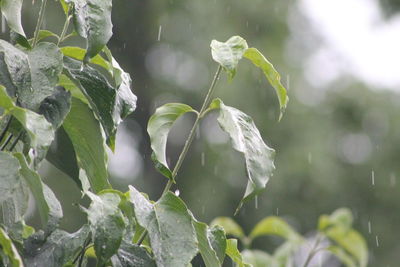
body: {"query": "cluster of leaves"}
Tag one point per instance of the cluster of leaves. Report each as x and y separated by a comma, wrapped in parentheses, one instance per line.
(334, 234)
(64, 104)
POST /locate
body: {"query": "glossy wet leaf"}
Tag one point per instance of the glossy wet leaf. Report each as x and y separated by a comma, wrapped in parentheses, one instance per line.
(55, 250)
(229, 53)
(10, 177)
(92, 20)
(11, 10)
(246, 139)
(230, 226)
(274, 226)
(88, 144)
(170, 229)
(212, 244)
(258, 59)
(233, 252)
(40, 132)
(106, 223)
(9, 250)
(79, 54)
(258, 258)
(104, 99)
(56, 106)
(160, 123)
(132, 255)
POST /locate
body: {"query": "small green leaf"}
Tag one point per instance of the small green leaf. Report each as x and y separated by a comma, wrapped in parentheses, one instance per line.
(230, 226)
(65, 6)
(246, 139)
(11, 10)
(271, 74)
(169, 226)
(233, 252)
(79, 54)
(9, 250)
(129, 255)
(342, 256)
(92, 20)
(342, 217)
(229, 53)
(160, 123)
(88, 144)
(106, 223)
(259, 258)
(274, 226)
(56, 107)
(45, 34)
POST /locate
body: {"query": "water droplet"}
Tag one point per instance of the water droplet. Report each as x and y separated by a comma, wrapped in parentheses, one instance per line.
(392, 179)
(288, 82)
(277, 211)
(377, 241)
(215, 170)
(256, 202)
(3, 24)
(369, 227)
(373, 177)
(159, 33)
(203, 159)
(177, 192)
(309, 157)
(203, 209)
(197, 133)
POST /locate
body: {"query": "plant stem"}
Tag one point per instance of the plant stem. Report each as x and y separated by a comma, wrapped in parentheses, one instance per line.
(14, 143)
(189, 140)
(39, 23)
(3, 133)
(64, 30)
(313, 251)
(6, 142)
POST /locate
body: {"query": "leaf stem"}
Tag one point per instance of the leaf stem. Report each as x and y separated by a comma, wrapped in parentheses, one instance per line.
(14, 143)
(6, 142)
(64, 30)
(3, 133)
(39, 23)
(314, 250)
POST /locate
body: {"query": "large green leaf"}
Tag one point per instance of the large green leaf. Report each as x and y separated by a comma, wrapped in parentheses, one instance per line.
(106, 223)
(274, 226)
(109, 103)
(230, 226)
(79, 54)
(129, 255)
(85, 133)
(233, 252)
(246, 139)
(56, 250)
(271, 74)
(40, 132)
(9, 250)
(92, 20)
(258, 258)
(10, 177)
(169, 226)
(56, 106)
(228, 54)
(160, 123)
(11, 10)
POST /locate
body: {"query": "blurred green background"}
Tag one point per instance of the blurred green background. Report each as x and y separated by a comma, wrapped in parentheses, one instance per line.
(338, 144)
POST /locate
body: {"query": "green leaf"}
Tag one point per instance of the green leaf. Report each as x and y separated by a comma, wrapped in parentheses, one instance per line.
(274, 226)
(56, 107)
(132, 255)
(169, 226)
(9, 250)
(55, 209)
(55, 250)
(106, 223)
(233, 252)
(92, 20)
(45, 34)
(259, 258)
(342, 256)
(341, 217)
(271, 74)
(230, 226)
(246, 139)
(212, 244)
(40, 132)
(11, 10)
(105, 100)
(66, 82)
(79, 54)
(229, 53)
(65, 6)
(160, 123)
(45, 61)
(88, 144)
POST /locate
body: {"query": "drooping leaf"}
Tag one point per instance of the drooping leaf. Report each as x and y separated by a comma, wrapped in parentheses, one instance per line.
(40, 132)
(212, 244)
(233, 252)
(342, 256)
(9, 250)
(106, 101)
(56, 250)
(56, 107)
(106, 223)
(258, 258)
(79, 54)
(11, 10)
(92, 20)
(246, 139)
(43, 34)
(229, 53)
(55, 209)
(88, 144)
(132, 255)
(45, 61)
(271, 74)
(230, 226)
(273, 225)
(170, 229)
(160, 123)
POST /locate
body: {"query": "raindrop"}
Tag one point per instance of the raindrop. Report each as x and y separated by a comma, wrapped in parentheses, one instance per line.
(3, 24)
(82, 67)
(373, 177)
(203, 158)
(203, 209)
(124, 46)
(392, 179)
(309, 157)
(288, 82)
(197, 133)
(215, 170)
(256, 202)
(247, 24)
(377, 241)
(159, 33)
(277, 211)
(369, 227)
(177, 192)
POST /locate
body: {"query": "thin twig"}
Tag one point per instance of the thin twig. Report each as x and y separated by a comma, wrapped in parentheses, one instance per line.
(3, 133)
(39, 23)
(6, 142)
(313, 251)
(14, 143)
(64, 30)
